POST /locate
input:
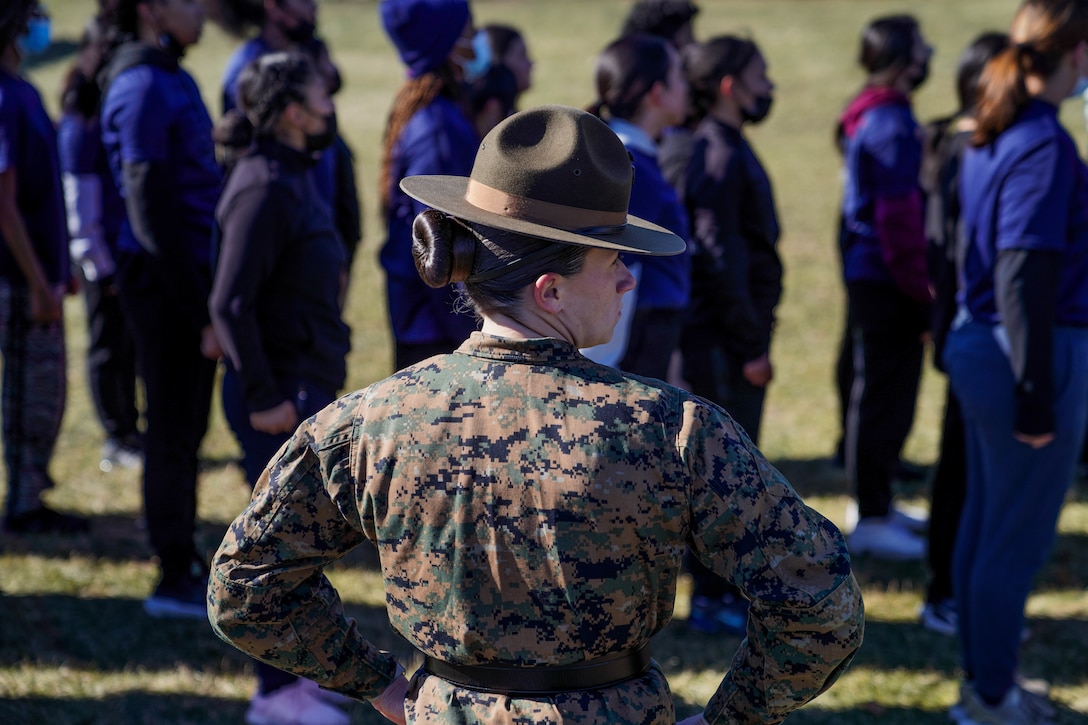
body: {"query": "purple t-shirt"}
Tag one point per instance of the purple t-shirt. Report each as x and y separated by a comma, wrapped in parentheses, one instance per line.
(153, 114)
(28, 145)
(1028, 190)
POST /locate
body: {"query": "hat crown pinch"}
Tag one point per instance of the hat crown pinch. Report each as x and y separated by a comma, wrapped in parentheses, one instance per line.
(558, 155)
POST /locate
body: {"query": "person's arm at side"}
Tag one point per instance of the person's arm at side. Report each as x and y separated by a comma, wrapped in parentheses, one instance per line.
(268, 595)
(1032, 217)
(151, 197)
(45, 299)
(1026, 286)
(254, 224)
(749, 526)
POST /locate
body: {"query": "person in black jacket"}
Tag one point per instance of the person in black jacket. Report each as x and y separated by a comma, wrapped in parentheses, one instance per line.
(275, 300)
(736, 271)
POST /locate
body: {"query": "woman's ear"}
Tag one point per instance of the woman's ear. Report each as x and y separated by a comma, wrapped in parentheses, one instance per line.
(725, 87)
(547, 293)
(293, 114)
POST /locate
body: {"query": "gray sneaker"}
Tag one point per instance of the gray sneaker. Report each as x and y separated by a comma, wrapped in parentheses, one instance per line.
(1019, 707)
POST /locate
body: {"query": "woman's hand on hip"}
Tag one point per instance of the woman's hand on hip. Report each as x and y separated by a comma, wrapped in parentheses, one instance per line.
(391, 702)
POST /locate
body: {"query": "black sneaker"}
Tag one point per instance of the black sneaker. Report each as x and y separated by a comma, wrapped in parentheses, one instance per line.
(179, 597)
(45, 520)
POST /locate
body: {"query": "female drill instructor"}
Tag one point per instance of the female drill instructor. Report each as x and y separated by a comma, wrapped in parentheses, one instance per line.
(531, 507)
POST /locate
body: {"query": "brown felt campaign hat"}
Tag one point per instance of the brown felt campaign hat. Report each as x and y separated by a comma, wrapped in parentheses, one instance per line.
(550, 172)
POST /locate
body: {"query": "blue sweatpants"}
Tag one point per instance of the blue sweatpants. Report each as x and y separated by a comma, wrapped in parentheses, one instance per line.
(1014, 494)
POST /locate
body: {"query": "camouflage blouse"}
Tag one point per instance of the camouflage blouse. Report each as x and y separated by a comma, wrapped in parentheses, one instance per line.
(531, 507)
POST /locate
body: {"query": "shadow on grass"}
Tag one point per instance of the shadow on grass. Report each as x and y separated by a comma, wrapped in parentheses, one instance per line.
(112, 537)
(115, 635)
(136, 707)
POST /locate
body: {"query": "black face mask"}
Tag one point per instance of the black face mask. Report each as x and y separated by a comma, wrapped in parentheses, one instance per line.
(760, 111)
(170, 45)
(317, 142)
(919, 76)
(302, 33)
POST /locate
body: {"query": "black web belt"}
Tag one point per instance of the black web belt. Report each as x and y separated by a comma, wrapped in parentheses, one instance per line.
(541, 681)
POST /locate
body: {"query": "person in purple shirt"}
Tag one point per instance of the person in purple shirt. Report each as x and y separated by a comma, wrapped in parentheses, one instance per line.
(641, 91)
(427, 133)
(33, 276)
(887, 284)
(270, 26)
(1016, 354)
(158, 137)
(95, 213)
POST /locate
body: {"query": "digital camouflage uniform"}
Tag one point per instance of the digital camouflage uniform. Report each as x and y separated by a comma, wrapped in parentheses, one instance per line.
(531, 507)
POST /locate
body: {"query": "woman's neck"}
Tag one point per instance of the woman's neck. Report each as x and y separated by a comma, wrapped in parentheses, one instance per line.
(503, 325)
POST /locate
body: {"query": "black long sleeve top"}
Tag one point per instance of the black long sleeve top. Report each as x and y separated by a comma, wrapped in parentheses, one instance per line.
(275, 301)
(736, 271)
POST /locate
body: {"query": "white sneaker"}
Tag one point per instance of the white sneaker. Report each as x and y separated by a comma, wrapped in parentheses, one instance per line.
(911, 518)
(883, 539)
(1019, 707)
(294, 704)
(940, 617)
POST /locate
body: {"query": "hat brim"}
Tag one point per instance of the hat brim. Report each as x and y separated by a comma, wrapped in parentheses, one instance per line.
(447, 194)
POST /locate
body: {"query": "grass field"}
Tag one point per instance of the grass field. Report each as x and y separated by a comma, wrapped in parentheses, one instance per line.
(75, 646)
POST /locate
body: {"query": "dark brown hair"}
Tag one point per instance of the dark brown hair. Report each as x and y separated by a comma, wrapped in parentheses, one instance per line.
(626, 71)
(1042, 32)
(448, 250)
(706, 64)
(887, 42)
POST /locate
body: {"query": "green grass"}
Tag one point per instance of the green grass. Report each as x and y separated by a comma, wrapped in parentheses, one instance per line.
(75, 646)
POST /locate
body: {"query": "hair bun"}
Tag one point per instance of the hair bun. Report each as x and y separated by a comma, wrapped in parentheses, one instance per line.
(443, 249)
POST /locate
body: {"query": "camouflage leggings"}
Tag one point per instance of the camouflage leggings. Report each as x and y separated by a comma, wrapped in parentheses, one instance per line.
(34, 390)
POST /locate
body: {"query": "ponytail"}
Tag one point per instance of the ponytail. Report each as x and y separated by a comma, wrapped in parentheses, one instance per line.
(1042, 32)
(415, 95)
(1002, 93)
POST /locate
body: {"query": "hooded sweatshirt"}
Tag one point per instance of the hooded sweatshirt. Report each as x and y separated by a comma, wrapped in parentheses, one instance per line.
(883, 209)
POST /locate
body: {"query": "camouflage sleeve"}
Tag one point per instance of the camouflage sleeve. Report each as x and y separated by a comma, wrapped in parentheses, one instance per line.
(267, 594)
(750, 527)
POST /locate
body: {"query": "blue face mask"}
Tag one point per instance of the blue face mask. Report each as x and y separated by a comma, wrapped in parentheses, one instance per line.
(1080, 88)
(476, 68)
(37, 37)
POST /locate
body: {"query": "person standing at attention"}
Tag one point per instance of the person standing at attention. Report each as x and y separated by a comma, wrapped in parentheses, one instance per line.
(736, 271)
(642, 91)
(1016, 354)
(427, 133)
(158, 137)
(34, 274)
(275, 303)
(887, 283)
